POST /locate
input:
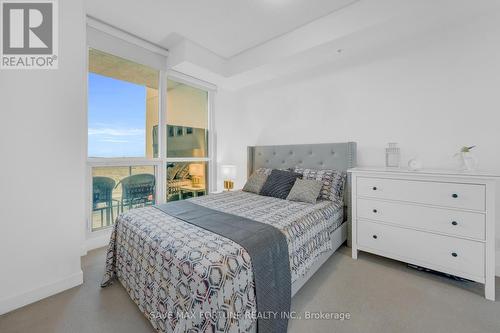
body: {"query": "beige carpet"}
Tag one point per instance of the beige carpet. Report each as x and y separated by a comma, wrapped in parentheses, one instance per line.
(380, 295)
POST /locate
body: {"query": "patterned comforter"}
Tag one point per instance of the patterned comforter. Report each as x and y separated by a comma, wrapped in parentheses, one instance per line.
(187, 279)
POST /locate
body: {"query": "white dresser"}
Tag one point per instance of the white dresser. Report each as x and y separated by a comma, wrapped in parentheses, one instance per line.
(442, 220)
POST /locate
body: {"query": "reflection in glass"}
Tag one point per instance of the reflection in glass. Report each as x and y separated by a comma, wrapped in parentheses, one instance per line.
(186, 180)
(187, 121)
(118, 189)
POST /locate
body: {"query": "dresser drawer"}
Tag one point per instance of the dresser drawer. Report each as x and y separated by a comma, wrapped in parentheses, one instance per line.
(447, 254)
(466, 196)
(453, 222)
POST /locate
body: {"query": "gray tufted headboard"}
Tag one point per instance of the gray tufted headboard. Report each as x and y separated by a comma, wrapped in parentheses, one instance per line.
(339, 156)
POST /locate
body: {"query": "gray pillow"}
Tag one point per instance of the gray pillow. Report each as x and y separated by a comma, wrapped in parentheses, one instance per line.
(305, 190)
(267, 171)
(263, 171)
(255, 182)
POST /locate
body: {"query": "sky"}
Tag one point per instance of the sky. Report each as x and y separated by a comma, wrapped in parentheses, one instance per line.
(116, 118)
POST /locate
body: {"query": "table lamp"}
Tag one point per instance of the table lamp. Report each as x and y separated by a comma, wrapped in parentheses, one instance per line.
(196, 170)
(228, 174)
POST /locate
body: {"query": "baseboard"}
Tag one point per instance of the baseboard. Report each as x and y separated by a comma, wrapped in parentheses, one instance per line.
(11, 303)
(96, 241)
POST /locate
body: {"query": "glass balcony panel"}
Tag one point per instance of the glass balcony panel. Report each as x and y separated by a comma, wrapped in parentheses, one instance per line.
(118, 189)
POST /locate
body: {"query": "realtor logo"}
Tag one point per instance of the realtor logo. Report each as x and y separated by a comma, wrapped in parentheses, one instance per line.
(29, 38)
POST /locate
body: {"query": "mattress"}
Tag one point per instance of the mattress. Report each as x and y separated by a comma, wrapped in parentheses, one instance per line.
(306, 226)
(184, 277)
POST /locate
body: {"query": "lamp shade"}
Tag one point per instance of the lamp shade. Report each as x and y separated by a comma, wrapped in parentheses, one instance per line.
(228, 171)
(196, 169)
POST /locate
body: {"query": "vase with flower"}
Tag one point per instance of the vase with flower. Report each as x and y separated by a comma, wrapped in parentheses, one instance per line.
(466, 158)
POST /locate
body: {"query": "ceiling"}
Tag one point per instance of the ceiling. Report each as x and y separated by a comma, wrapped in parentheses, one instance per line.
(234, 44)
(225, 27)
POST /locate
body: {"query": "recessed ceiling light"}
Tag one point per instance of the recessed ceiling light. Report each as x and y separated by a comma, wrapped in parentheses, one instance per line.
(339, 50)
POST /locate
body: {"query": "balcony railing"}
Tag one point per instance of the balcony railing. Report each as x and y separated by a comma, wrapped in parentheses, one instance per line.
(116, 189)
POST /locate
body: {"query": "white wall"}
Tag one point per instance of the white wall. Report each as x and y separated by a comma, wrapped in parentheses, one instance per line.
(42, 174)
(432, 94)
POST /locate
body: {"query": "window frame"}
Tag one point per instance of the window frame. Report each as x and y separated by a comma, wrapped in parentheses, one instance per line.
(160, 162)
(209, 88)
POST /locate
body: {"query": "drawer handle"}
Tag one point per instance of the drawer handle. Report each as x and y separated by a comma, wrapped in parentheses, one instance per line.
(454, 254)
(374, 210)
(454, 223)
(374, 188)
(375, 236)
(454, 195)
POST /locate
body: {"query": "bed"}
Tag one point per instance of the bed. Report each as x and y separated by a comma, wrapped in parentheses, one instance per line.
(187, 279)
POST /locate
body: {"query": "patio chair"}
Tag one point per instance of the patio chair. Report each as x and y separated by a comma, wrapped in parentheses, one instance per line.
(102, 200)
(137, 190)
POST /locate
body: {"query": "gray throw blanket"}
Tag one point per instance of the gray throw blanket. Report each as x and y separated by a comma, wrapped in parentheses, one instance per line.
(268, 251)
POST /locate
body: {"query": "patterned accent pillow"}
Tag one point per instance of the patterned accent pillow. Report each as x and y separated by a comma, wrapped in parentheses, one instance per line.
(172, 170)
(279, 183)
(333, 182)
(305, 190)
(254, 183)
(183, 172)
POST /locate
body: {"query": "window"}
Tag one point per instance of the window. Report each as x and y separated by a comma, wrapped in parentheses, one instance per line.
(146, 144)
(122, 107)
(187, 121)
(186, 141)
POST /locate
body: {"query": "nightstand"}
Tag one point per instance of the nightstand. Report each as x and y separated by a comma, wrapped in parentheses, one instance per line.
(195, 191)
